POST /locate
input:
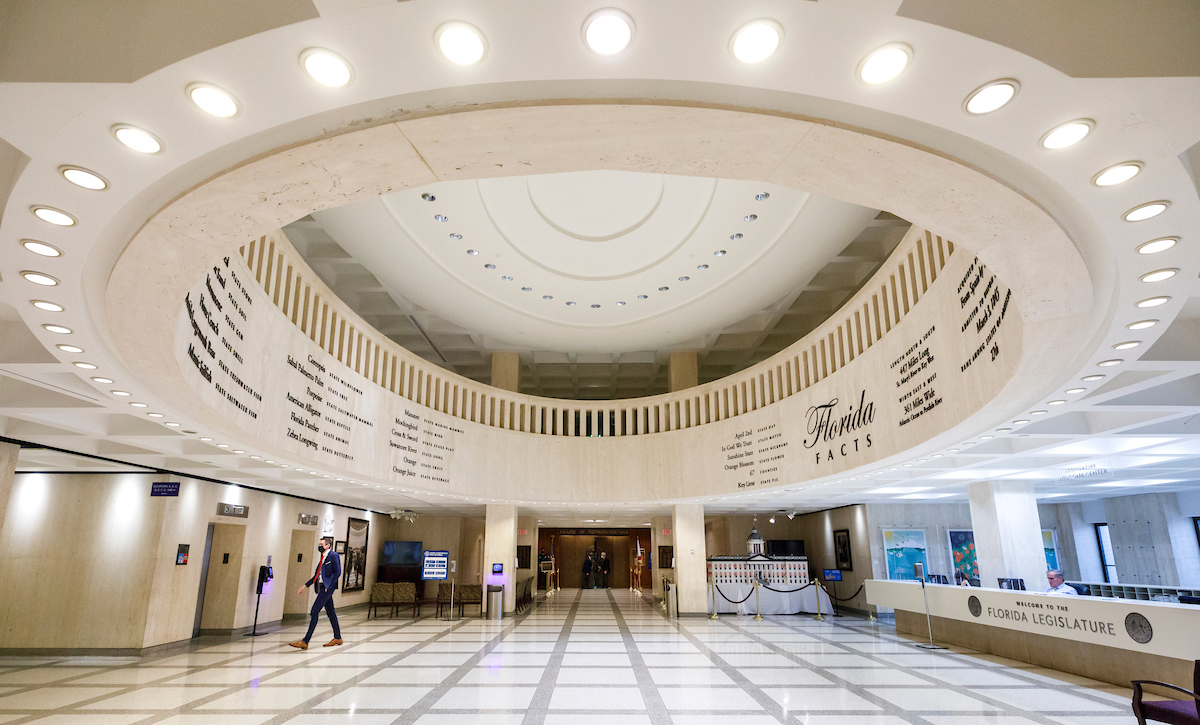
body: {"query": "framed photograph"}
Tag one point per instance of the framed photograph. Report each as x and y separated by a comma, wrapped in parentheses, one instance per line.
(962, 551)
(665, 555)
(354, 566)
(339, 547)
(841, 550)
(902, 548)
(524, 555)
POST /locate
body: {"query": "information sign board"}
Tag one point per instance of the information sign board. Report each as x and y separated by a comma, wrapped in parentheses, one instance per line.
(435, 564)
(833, 575)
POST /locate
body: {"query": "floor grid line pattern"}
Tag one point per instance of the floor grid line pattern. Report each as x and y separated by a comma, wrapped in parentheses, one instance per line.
(578, 657)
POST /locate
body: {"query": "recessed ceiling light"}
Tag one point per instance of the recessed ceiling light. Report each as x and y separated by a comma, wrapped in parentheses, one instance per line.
(991, 97)
(83, 365)
(547, 297)
(1155, 246)
(83, 178)
(1003, 430)
(642, 297)
(701, 266)
(762, 196)
(212, 100)
(1108, 363)
(155, 415)
(1038, 412)
(41, 248)
(70, 348)
(138, 405)
(460, 42)
(59, 329)
(1075, 391)
(663, 289)
(684, 279)
(506, 278)
(1056, 402)
(326, 67)
(735, 237)
(620, 304)
(985, 438)
(749, 218)
(473, 252)
(455, 235)
(608, 31)
(1141, 324)
(1118, 173)
(526, 289)
(44, 280)
(1153, 302)
(176, 425)
(489, 266)
(138, 139)
(1127, 345)
(719, 253)
(1146, 211)
(756, 41)
(885, 63)
(1020, 422)
(1068, 134)
(120, 393)
(57, 217)
(441, 218)
(236, 451)
(1091, 378)
(47, 306)
(1158, 275)
(103, 381)
(207, 440)
(570, 304)
(595, 307)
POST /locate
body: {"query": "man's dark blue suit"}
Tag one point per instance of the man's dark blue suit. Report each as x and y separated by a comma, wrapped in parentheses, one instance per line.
(326, 584)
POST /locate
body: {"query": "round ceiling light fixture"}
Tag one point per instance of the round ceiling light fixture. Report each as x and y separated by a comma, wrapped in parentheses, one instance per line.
(595, 307)
(526, 289)
(455, 235)
(608, 31)
(1127, 345)
(41, 248)
(749, 218)
(57, 217)
(441, 218)
(137, 139)
(58, 329)
(701, 266)
(47, 306)
(83, 178)
(326, 67)
(885, 63)
(1118, 173)
(620, 304)
(991, 96)
(1141, 324)
(489, 265)
(1056, 402)
(1153, 302)
(684, 279)
(506, 278)
(735, 237)
(1149, 210)
(1067, 134)
(120, 393)
(44, 280)
(663, 289)
(473, 252)
(213, 100)
(756, 41)
(1090, 379)
(74, 349)
(570, 304)
(1108, 363)
(547, 297)
(719, 253)
(642, 297)
(103, 381)
(461, 43)
(1158, 275)
(1155, 246)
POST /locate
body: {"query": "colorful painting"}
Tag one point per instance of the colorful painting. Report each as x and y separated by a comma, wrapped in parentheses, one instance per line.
(1050, 544)
(903, 548)
(962, 549)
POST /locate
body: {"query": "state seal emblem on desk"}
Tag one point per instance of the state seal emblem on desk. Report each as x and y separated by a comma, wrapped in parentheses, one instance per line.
(1138, 628)
(974, 605)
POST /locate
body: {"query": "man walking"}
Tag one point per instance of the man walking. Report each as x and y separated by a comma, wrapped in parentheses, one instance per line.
(605, 566)
(587, 572)
(329, 570)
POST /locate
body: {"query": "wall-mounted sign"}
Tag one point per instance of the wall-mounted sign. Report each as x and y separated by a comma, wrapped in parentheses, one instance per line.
(164, 488)
(181, 556)
(833, 575)
(666, 532)
(231, 509)
(435, 564)
(520, 532)
(327, 529)
(309, 519)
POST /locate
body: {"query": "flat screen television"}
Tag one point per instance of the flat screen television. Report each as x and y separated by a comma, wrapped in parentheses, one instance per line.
(402, 553)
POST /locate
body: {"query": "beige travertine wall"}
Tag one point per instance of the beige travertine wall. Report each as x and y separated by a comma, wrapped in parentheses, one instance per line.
(659, 524)
(816, 529)
(530, 525)
(462, 536)
(224, 577)
(95, 555)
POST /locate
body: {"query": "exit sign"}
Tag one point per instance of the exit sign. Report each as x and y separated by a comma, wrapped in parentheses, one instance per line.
(520, 532)
(666, 532)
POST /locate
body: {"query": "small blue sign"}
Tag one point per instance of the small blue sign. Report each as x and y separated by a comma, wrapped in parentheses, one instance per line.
(435, 565)
(164, 489)
(833, 575)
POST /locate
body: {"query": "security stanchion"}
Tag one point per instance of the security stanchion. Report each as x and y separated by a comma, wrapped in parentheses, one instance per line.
(820, 617)
(757, 607)
(713, 582)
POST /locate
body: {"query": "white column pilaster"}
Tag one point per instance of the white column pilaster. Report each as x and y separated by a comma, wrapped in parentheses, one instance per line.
(690, 565)
(500, 547)
(1008, 533)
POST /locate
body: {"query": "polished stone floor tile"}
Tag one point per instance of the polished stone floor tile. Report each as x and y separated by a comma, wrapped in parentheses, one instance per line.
(265, 698)
(596, 698)
(598, 719)
(676, 660)
(596, 676)
(931, 699)
(315, 676)
(131, 676)
(486, 698)
(503, 676)
(222, 676)
(707, 698)
(767, 676)
(52, 698)
(689, 676)
(876, 676)
(818, 698)
(89, 719)
(155, 698)
(595, 660)
(1037, 699)
(42, 675)
(374, 698)
(488, 718)
(974, 677)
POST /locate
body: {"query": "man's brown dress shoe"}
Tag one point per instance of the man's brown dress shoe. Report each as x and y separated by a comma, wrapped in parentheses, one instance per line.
(299, 644)
(334, 642)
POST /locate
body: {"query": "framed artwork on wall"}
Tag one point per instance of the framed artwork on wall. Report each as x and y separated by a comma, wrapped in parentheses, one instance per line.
(1050, 544)
(354, 567)
(666, 555)
(339, 547)
(962, 551)
(902, 548)
(841, 550)
(524, 554)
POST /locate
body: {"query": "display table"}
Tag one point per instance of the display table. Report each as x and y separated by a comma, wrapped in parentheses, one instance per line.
(772, 602)
(1113, 640)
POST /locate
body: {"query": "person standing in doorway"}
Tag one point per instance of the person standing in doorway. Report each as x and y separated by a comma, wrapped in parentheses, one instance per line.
(605, 566)
(325, 582)
(587, 572)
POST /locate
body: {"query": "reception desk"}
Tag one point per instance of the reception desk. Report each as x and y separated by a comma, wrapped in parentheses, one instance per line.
(1112, 640)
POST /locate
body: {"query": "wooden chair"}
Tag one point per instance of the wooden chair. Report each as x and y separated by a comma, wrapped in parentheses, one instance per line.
(381, 596)
(469, 594)
(1175, 712)
(406, 593)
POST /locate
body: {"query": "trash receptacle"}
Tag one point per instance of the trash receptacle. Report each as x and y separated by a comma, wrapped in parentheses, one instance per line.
(495, 601)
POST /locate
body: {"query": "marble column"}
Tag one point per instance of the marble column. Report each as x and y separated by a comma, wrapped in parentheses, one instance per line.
(500, 547)
(506, 370)
(690, 565)
(1008, 533)
(682, 370)
(8, 467)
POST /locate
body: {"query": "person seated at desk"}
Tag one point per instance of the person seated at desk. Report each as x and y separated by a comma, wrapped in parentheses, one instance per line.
(1058, 586)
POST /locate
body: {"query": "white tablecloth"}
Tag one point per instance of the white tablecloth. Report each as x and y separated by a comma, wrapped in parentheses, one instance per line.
(790, 602)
